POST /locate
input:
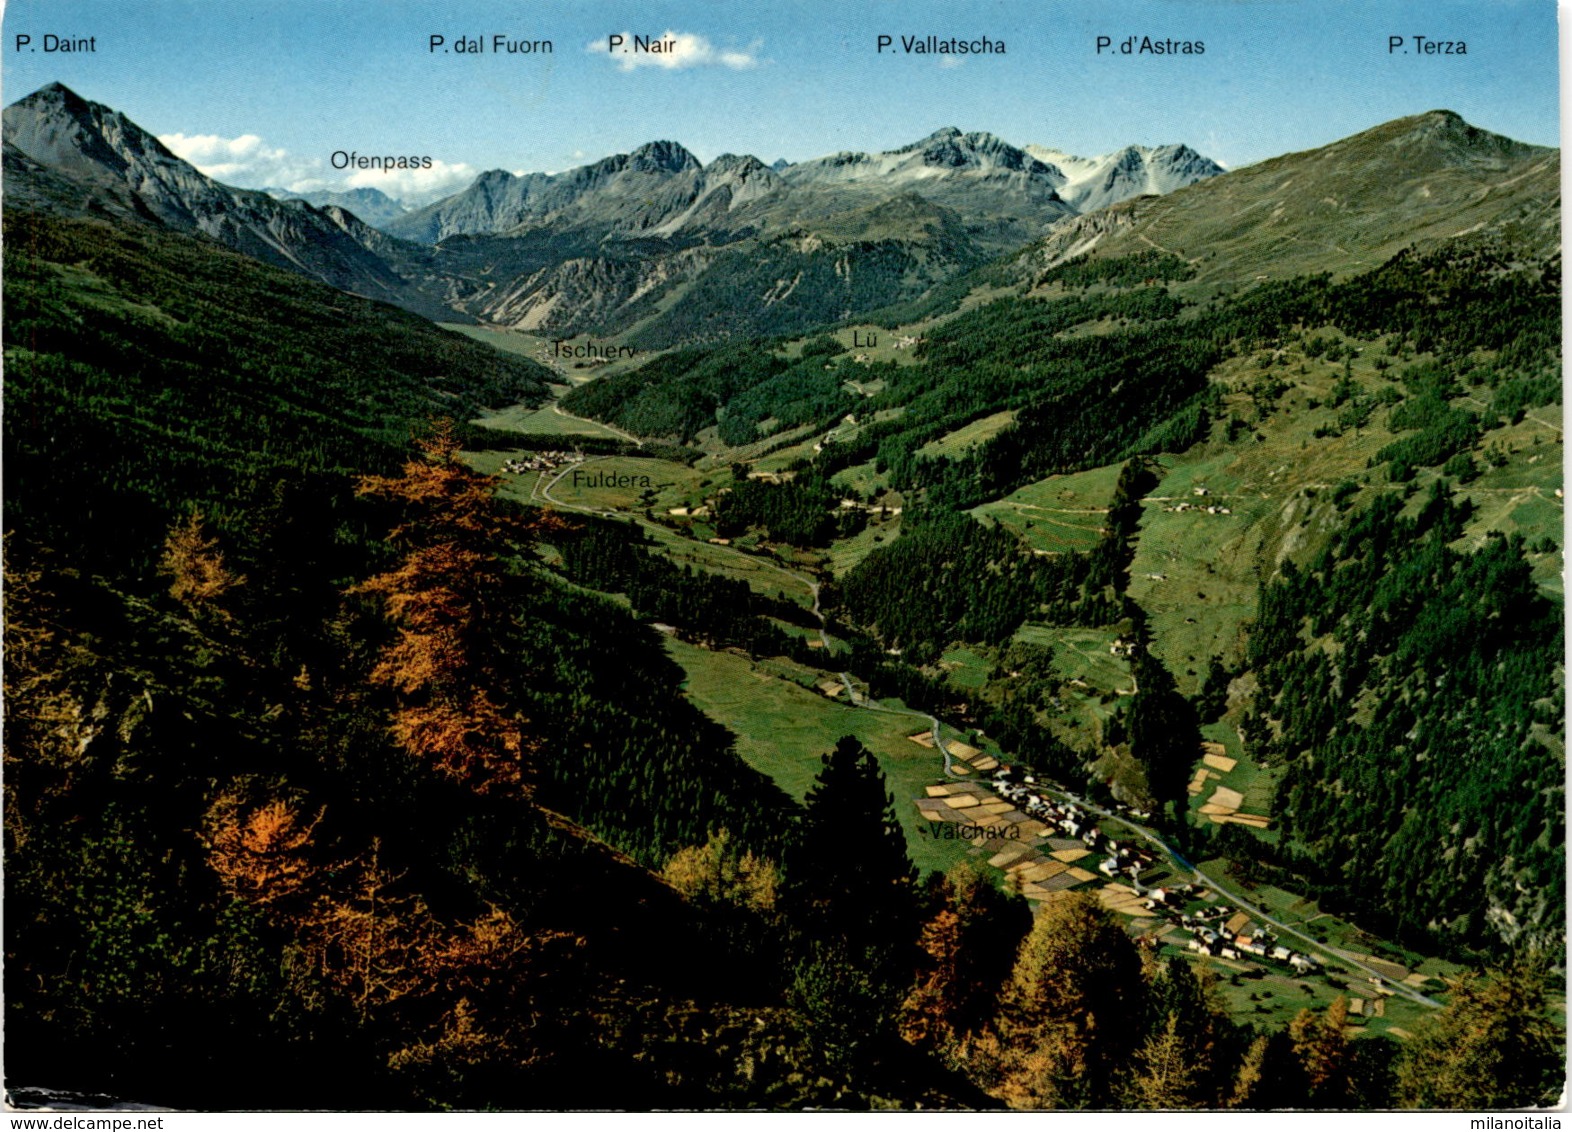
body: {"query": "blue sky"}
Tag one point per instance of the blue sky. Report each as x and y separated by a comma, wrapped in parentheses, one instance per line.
(263, 92)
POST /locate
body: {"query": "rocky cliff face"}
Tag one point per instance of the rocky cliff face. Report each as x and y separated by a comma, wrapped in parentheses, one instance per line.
(589, 295)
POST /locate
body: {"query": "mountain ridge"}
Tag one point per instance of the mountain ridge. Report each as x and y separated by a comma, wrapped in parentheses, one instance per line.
(658, 234)
(373, 206)
(948, 164)
(1342, 207)
(104, 151)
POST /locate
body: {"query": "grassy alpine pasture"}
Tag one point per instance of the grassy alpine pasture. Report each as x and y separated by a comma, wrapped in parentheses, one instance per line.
(863, 479)
(545, 422)
(846, 553)
(516, 487)
(804, 448)
(783, 458)
(1093, 677)
(1520, 496)
(1081, 654)
(617, 483)
(953, 443)
(886, 345)
(759, 453)
(1274, 999)
(533, 346)
(895, 345)
(783, 728)
(764, 575)
(965, 668)
(1196, 574)
(1058, 514)
(539, 348)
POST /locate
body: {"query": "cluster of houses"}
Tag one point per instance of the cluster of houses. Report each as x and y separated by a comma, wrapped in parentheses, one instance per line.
(1214, 929)
(539, 462)
(878, 509)
(1122, 858)
(1209, 508)
(1260, 944)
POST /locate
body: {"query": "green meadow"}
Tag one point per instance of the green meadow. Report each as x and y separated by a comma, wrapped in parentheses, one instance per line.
(783, 729)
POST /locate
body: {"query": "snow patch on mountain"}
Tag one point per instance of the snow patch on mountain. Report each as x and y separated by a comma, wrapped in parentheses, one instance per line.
(1092, 183)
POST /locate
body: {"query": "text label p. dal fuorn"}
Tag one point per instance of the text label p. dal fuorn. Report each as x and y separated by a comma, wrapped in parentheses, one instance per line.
(487, 45)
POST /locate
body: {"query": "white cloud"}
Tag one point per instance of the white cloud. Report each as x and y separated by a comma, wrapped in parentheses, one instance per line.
(248, 162)
(678, 50)
(950, 62)
(415, 186)
(245, 161)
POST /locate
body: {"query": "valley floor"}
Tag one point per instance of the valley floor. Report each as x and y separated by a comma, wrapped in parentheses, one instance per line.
(785, 715)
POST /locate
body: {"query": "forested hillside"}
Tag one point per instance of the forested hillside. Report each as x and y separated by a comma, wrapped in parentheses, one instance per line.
(1409, 688)
(260, 785)
(592, 782)
(125, 342)
(1108, 364)
(740, 388)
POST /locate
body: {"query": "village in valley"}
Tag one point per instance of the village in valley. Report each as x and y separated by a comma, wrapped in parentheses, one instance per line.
(1047, 841)
(548, 461)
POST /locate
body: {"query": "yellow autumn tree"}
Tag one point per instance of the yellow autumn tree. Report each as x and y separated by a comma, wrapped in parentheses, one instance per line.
(446, 595)
(968, 947)
(195, 565)
(716, 872)
(1165, 1071)
(369, 937)
(1495, 1046)
(927, 1014)
(1320, 1042)
(1069, 1017)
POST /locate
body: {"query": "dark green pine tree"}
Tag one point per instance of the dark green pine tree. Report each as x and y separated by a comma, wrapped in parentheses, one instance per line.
(849, 870)
(1211, 700)
(1165, 732)
(850, 894)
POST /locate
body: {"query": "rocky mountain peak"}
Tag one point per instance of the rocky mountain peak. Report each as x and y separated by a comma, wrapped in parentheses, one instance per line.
(662, 157)
(57, 126)
(731, 163)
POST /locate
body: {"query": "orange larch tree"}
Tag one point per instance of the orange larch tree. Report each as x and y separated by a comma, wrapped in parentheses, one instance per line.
(446, 596)
(262, 854)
